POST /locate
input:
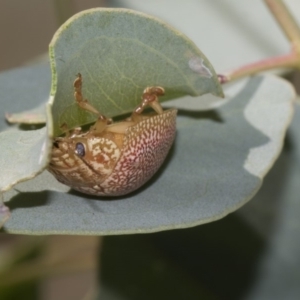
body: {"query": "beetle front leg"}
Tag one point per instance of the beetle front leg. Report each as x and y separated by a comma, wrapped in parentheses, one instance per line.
(83, 103)
(102, 121)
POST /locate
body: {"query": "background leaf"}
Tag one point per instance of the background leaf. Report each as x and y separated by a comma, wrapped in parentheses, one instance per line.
(119, 53)
(141, 266)
(182, 264)
(274, 213)
(22, 89)
(22, 155)
(204, 178)
(36, 115)
(232, 33)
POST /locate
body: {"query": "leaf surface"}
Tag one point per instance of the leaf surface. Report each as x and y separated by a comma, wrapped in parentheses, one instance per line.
(35, 115)
(274, 213)
(211, 171)
(21, 152)
(22, 155)
(119, 53)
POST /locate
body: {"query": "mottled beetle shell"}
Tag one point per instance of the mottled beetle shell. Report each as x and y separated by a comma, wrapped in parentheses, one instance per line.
(114, 163)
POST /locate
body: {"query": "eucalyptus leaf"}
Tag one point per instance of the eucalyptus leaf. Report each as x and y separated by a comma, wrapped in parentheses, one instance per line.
(119, 53)
(22, 155)
(22, 89)
(21, 152)
(35, 115)
(274, 213)
(212, 170)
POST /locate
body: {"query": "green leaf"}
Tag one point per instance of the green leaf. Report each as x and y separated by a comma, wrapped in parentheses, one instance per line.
(22, 155)
(274, 213)
(119, 53)
(217, 164)
(22, 89)
(36, 115)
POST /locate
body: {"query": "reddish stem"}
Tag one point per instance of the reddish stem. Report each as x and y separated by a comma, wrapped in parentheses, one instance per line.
(290, 60)
(285, 20)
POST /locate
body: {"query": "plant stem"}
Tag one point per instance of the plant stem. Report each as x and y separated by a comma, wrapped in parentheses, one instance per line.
(286, 21)
(291, 60)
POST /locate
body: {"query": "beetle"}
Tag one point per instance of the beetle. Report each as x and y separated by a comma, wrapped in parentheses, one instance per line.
(114, 158)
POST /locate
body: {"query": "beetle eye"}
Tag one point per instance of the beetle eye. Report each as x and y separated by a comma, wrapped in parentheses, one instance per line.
(80, 151)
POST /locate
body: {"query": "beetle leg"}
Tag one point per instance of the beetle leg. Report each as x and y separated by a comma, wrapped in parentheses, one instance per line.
(99, 126)
(76, 131)
(102, 121)
(83, 103)
(150, 98)
(64, 127)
